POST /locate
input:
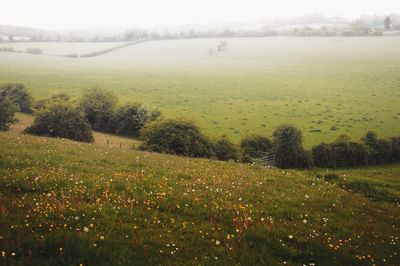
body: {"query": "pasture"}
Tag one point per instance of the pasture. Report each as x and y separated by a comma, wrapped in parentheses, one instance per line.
(325, 86)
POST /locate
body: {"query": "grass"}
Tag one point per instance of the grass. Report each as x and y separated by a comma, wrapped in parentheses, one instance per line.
(326, 86)
(66, 203)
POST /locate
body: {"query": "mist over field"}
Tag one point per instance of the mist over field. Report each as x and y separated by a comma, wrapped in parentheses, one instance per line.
(200, 133)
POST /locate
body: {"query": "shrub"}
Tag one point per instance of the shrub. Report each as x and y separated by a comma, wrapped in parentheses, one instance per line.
(331, 177)
(255, 146)
(225, 150)
(59, 97)
(322, 154)
(131, 118)
(61, 120)
(176, 137)
(7, 112)
(395, 143)
(34, 51)
(98, 106)
(19, 95)
(380, 150)
(287, 144)
(342, 153)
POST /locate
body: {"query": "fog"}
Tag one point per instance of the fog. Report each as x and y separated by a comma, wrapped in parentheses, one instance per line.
(75, 14)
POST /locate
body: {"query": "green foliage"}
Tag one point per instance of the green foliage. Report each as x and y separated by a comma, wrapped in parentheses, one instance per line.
(225, 150)
(7, 112)
(131, 118)
(63, 121)
(99, 105)
(380, 150)
(288, 146)
(342, 153)
(59, 97)
(34, 51)
(331, 177)
(176, 137)
(18, 93)
(255, 146)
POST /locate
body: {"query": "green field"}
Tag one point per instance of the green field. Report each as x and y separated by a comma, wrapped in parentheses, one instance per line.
(70, 203)
(351, 84)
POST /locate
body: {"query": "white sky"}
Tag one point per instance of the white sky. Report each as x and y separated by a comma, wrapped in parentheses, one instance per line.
(63, 14)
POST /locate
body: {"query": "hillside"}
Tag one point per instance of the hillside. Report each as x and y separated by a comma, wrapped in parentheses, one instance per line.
(64, 202)
(325, 86)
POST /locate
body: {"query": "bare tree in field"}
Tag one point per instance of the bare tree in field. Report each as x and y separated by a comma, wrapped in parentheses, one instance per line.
(222, 46)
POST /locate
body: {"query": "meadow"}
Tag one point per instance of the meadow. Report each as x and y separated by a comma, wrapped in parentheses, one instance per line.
(69, 203)
(326, 86)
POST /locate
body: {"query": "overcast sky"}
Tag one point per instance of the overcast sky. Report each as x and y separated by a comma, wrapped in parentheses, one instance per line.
(66, 14)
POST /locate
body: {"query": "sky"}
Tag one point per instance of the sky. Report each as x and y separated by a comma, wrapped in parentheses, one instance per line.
(77, 14)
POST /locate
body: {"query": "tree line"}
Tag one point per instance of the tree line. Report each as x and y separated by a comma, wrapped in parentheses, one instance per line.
(98, 109)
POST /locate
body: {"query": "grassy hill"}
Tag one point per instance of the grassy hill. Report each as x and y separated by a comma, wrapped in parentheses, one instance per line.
(67, 203)
(326, 86)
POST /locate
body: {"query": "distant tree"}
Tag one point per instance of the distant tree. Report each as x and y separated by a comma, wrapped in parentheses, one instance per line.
(288, 146)
(225, 150)
(387, 23)
(131, 118)
(19, 95)
(98, 106)
(7, 112)
(222, 46)
(176, 137)
(61, 120)
(255, 146)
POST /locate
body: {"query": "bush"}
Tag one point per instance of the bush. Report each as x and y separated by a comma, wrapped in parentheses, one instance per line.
(176, 137)
(380, 150)
(342, 153)
(288, 146)
(59, 97)
(323, 155)
(395, 143)
(331, 177)
(7, 112)
(255, 146)
(63, 121)
(225, 150)
(34, 51)
(19, 95)
(131, 118)
(98, 106)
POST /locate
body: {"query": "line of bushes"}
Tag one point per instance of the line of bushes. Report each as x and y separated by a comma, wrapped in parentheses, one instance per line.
(61, 116)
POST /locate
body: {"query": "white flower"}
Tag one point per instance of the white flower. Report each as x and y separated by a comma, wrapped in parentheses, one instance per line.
(290, 236)
(217, 243)
(304, 221)
(85, 229)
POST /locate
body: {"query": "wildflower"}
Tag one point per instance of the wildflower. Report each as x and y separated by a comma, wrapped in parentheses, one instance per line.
(85, 229)
(304, 221)
(101, 237)
(3, 253)
(13, 254)
(290, 236)
(262, 219)
(76, 218)
(217, 243)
